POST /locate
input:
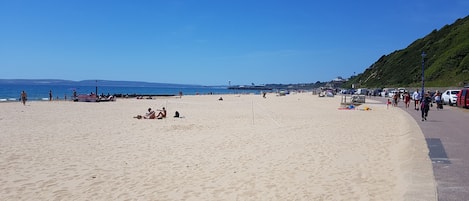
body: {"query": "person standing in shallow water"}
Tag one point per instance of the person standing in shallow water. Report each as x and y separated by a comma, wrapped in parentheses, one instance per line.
(425, 106)
(24, 97)
(50, 95)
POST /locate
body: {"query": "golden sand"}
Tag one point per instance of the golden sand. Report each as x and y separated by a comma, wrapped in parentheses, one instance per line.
(294, 147)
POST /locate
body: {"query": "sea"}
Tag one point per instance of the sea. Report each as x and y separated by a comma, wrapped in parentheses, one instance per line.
(38, 92)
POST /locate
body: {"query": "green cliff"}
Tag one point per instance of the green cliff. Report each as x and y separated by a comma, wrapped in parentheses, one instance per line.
(446, 61)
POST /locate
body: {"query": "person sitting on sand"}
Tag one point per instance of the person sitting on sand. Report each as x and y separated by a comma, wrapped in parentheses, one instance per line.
(161, 114)
(149, 115)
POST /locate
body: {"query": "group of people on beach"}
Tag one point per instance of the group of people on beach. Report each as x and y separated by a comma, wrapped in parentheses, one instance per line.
(24, 96)
(151, 114)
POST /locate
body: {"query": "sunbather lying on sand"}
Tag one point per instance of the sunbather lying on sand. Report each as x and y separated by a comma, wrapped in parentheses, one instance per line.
(149, 115)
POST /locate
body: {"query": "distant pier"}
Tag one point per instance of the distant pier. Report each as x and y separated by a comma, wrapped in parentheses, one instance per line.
(252, 87)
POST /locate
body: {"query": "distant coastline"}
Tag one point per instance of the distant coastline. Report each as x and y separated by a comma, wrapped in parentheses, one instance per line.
(91, 83)
(38, 89)
(112, 83)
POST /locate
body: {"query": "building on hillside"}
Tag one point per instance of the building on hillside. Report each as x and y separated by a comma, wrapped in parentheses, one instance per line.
(336, 82)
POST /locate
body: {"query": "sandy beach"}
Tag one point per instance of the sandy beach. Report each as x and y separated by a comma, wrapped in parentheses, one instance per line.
(294, 147)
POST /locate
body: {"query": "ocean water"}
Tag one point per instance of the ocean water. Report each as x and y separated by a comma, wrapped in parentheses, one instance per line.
(11, 92)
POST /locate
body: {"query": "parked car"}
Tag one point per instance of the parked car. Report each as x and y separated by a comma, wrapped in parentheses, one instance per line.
(450, 96)
(376, 92)
(391, 93)
(362, 91)
(385, 92)
(463, 98)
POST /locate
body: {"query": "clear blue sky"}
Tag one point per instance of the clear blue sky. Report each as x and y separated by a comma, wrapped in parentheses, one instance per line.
(210, 42)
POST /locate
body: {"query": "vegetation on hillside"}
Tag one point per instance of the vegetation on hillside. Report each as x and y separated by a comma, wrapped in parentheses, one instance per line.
(446, 61)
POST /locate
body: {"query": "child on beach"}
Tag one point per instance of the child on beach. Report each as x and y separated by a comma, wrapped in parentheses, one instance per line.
(388, 103)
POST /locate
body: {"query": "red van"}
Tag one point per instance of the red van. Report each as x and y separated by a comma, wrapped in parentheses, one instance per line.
(463, 98)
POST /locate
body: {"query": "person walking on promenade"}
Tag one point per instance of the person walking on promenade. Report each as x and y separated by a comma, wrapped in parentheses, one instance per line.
(407, 99)
(437, 97)
(395, 99)
(416, 97)
(24, 97)
(425, 106)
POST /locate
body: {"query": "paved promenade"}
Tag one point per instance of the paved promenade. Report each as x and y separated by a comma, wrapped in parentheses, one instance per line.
(447, 134)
